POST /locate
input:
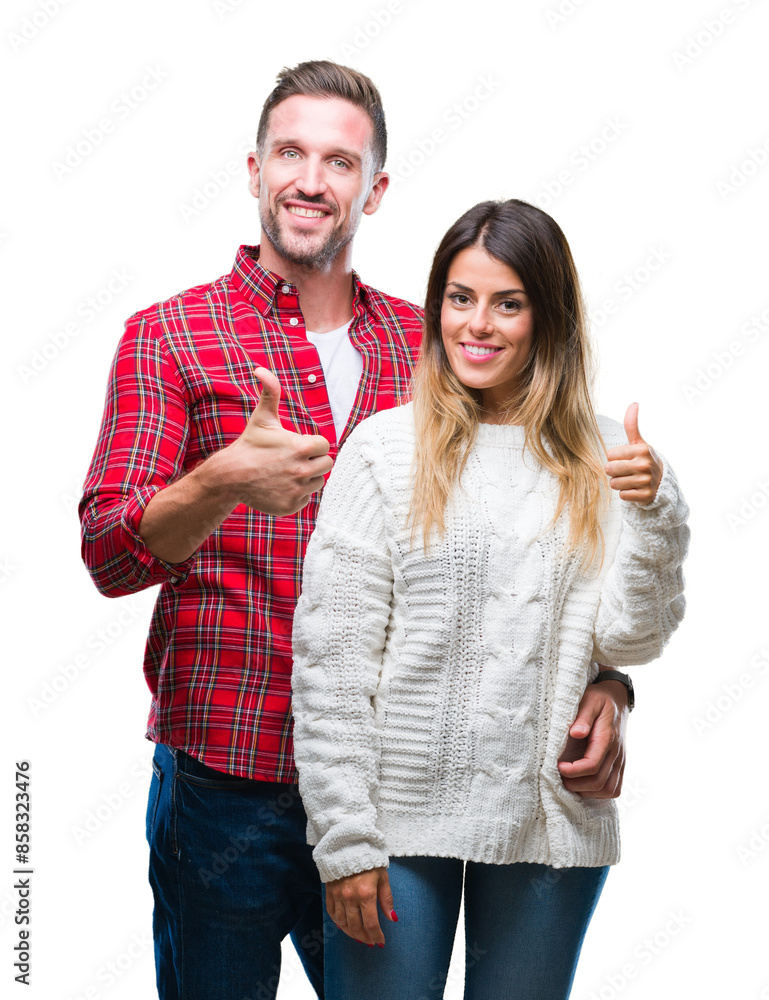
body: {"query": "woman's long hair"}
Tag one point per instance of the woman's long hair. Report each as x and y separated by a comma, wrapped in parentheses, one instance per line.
(553, 401)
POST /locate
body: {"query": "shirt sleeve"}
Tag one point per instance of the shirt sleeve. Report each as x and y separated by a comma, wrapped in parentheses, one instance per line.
(139, 451)
(642, 600)
(339, 636)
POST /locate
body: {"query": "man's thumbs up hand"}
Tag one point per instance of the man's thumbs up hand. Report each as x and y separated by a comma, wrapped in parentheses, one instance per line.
(269, 468)
(266, 412)
(634, 468)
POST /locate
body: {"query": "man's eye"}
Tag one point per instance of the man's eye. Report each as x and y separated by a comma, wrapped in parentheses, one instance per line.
(339, 163)
(289, 152)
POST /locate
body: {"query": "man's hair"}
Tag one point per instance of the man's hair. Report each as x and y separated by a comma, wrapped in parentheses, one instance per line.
(323, 78)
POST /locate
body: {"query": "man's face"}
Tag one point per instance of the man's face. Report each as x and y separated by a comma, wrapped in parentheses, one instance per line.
(315, 178)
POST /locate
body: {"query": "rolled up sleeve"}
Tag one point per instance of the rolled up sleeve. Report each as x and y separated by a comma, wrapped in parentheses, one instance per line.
(139, 451)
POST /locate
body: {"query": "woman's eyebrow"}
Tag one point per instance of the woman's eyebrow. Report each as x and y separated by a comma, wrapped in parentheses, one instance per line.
(507, 291)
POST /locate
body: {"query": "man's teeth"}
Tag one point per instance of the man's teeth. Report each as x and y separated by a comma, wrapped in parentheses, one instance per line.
(307, 212)
(472, 349)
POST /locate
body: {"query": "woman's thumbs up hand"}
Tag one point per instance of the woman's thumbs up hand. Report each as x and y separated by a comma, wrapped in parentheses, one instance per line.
(634, 468)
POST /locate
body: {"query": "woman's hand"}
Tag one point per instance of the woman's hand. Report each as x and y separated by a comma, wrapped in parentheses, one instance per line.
(351, 903)
(634, 468)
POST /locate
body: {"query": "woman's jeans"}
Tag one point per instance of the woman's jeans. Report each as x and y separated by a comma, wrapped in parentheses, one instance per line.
(232, 875)
(524, 927)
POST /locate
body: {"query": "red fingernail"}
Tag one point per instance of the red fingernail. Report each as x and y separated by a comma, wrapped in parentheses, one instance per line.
(394, 915)
(371, 946)
(380, 946)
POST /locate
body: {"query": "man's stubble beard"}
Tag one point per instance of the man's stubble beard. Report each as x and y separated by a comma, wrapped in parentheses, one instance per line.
(313, 258)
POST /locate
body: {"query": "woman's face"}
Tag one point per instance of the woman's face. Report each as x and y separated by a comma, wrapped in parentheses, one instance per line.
(487, 324)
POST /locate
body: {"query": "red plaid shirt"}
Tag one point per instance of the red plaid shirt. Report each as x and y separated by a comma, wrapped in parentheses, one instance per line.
(218, 657)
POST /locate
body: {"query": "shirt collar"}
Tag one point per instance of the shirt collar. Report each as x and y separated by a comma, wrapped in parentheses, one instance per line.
(261, 286)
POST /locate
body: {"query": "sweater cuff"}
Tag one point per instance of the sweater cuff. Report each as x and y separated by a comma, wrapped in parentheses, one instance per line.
(663, 490)
(349, 860)
(669, 504)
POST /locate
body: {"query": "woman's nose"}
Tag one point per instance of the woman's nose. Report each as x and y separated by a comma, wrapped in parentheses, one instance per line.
(480, 322)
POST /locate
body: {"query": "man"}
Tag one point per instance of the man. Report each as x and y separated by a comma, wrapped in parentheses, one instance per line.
(196, 486)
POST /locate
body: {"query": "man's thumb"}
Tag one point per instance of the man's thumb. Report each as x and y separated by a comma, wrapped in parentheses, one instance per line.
(266, 410)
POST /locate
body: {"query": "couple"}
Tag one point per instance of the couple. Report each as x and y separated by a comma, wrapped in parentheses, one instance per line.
(478, 554)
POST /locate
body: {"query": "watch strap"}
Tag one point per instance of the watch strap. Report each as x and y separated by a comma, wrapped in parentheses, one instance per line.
(617, 675)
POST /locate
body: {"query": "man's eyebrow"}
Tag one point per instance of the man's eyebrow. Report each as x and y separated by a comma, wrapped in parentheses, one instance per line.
(350, 154)
(507, 291)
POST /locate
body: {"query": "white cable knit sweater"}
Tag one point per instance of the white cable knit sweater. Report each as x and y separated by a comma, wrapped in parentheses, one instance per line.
(433, 693)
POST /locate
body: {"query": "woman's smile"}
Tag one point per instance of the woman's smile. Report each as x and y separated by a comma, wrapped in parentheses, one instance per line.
(479, 352)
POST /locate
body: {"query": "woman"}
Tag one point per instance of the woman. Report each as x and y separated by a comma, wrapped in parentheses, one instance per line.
(477, 552)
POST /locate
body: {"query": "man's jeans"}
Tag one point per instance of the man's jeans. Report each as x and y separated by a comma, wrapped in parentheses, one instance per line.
(232, 875)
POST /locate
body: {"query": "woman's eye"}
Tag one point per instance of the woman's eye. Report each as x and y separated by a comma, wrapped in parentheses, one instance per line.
(510, 305)
(461, 300)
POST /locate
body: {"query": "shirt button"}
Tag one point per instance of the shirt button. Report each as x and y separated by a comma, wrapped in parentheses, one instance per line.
(312, 378)
(286, 289)
(174, 579)
(294, 321)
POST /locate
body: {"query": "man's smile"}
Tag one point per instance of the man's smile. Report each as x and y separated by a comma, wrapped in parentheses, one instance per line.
(309, 214)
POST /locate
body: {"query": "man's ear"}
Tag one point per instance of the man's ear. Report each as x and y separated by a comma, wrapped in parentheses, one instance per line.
(254, 175)
(381, 183)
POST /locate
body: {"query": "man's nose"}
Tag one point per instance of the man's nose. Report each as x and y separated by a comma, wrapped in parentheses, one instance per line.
(310, 178)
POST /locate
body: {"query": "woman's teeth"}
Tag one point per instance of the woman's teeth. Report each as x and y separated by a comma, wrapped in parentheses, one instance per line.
(472, 349)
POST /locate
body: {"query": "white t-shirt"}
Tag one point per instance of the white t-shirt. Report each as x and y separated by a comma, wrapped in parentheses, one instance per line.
(342, 366)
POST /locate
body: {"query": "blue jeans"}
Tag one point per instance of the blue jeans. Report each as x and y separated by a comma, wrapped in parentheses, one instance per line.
(524, 927)
(232, 875)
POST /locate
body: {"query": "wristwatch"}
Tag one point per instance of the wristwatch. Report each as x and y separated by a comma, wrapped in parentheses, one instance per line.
(617, 675)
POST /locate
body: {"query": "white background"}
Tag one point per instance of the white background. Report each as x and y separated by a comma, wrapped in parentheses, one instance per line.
(670, 100)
